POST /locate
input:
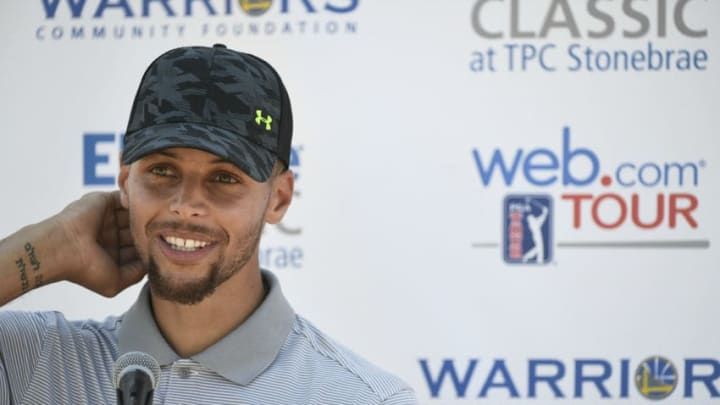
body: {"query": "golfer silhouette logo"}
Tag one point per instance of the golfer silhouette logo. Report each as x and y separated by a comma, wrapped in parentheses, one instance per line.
(527, 229)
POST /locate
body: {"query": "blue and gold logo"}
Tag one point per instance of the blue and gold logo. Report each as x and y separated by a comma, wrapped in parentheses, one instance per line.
(656, 378)
(255, 7)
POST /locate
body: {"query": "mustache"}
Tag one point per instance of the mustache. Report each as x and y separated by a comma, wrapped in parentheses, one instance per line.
(185, 227)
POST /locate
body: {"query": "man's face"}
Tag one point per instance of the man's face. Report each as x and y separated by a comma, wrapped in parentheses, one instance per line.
(196, 219)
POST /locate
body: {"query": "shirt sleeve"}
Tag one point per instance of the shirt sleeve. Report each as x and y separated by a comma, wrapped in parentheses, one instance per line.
(21, 340)
(4, 388)
(404, 397)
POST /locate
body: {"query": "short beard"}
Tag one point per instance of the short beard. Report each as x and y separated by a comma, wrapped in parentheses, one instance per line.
(190, 293)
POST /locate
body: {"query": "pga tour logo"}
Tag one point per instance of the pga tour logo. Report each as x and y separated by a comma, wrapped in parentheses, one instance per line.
(527, 229)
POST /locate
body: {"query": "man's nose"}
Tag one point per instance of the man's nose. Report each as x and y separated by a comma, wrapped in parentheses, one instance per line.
(189, 200)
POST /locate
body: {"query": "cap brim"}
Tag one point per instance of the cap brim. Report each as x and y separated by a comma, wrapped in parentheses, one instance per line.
(254, 160)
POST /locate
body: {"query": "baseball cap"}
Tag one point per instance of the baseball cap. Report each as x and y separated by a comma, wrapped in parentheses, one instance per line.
(228, 103)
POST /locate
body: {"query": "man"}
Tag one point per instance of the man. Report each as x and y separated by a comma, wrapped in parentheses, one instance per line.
(204, 166)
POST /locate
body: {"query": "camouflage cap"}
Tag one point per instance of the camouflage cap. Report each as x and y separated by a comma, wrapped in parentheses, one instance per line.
(228, 103)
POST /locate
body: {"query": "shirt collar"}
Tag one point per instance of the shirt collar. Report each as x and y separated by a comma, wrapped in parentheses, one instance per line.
(240, 356)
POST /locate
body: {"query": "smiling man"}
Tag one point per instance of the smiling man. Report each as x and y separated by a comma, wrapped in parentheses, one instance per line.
(204, 167)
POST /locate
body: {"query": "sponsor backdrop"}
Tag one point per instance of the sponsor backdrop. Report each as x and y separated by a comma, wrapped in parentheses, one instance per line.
(498, 200)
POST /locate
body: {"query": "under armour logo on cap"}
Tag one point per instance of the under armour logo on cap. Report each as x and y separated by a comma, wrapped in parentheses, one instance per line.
(259, 119)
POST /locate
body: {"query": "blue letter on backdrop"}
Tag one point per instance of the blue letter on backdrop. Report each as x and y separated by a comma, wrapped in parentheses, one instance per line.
(91, 160)
(448, 367)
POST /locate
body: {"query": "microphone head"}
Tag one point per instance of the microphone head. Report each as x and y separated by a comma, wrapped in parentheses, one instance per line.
(132, 361)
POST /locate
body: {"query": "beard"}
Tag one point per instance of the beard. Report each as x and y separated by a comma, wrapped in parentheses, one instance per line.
(167, 287)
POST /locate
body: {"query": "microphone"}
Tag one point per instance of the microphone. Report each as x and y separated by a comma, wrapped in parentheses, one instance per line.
(135, 375)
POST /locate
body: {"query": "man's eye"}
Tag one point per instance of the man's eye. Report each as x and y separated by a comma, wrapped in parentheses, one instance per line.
(225, 178)
(160, 171)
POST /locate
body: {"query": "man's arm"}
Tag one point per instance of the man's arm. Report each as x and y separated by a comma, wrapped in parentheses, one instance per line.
(88, 243)
(29, 258)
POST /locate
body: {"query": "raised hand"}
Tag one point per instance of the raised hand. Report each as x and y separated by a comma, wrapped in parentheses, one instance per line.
(97, 228)
(88, 243)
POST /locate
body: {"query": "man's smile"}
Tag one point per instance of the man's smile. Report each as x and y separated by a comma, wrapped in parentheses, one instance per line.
(185, 245)
(185, 249)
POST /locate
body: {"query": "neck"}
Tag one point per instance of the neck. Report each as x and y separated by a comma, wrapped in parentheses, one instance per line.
(190, 329)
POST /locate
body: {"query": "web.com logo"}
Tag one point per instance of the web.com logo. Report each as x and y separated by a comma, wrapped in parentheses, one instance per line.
(575, 168)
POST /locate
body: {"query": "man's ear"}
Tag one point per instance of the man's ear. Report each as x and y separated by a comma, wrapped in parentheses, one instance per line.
(122, 184)
(283, 186)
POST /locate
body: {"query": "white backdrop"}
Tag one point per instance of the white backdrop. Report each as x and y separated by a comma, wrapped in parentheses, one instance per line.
(399, 225)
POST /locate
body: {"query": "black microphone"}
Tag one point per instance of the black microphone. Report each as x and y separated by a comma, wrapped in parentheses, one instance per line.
(135, 375)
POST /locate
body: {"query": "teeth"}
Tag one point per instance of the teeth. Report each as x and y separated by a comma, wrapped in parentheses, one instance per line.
(185, 245)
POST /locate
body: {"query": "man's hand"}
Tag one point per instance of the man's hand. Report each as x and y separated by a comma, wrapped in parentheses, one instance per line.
(98, 232)
(88, 243)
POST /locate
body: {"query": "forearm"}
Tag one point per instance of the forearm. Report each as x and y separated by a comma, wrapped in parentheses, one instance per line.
(30, 258)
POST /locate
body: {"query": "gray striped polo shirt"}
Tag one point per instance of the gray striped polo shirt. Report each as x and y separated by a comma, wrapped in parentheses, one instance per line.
(274, 357)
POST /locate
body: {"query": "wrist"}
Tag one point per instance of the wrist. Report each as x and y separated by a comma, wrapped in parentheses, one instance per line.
(59, 250)
(45, 252)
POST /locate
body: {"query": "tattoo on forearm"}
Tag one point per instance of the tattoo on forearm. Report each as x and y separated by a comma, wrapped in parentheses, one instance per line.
(35, 262)
(35, 265)
(30, 249)
(23, 274)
